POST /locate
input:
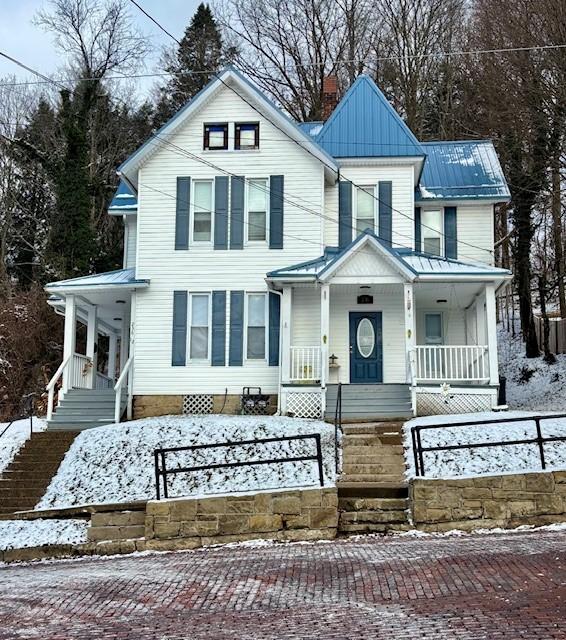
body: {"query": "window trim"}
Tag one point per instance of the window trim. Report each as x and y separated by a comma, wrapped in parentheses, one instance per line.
(192, 240)
(247, 240)
(442, 333)
(425, 227)
(375, 187)
(206, 136)
(237, 131)
(266, 325)
(208, 295)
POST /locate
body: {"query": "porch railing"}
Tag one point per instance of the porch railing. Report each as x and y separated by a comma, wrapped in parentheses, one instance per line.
(451, 363)
(118, 387)
(103, 381)
(306, 364)
(51, 386)
(81, 372)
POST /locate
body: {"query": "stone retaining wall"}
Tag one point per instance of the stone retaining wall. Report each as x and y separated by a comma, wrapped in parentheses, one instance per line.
(488, 501)
(186, 523)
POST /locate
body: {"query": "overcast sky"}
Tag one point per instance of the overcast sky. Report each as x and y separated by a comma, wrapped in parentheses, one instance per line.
(21, 39)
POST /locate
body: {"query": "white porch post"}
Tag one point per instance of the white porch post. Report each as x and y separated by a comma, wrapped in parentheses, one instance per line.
(91, 343)
(112, 350)
(131, 335)
(324, 332)
(69, 339)
(491, 317)
(481, 326)
(285, 359)
(124, 339)
(410, 326)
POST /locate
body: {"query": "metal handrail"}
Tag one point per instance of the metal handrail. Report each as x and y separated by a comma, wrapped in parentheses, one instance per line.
(159, 456)
(50, 388)
(540, 440)
(337, 425)
(118, 388)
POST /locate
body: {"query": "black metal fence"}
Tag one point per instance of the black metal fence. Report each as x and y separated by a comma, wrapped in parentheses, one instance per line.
(162, 471)
(26, 412)
(337, 426)
(540, 440)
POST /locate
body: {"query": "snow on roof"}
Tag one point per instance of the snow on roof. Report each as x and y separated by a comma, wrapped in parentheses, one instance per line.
(421, 264)
(124, 200)
(121, 277)
(463, 169)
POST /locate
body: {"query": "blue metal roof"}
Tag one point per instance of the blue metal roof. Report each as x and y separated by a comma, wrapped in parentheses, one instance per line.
(124, 200)
(464, 169)
(364, 124)
(120, 277)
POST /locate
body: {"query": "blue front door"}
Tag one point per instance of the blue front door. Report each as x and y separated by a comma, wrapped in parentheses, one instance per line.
(366, 347)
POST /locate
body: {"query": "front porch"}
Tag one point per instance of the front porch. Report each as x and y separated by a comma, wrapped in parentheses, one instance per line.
(368, 324)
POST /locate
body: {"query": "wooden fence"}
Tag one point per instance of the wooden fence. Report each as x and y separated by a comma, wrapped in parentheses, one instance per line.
(557, 336)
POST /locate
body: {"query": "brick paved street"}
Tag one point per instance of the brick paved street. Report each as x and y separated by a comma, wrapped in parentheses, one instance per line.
(499, 586)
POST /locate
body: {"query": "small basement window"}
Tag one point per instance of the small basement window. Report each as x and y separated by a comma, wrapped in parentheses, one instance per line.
(246, 135)
(215, 136)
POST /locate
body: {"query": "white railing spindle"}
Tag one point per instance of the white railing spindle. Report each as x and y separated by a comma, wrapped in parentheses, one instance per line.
(451, 363)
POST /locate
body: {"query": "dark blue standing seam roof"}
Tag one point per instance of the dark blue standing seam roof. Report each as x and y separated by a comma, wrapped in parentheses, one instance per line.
(124, 200)
(461, 169)
(364, 124)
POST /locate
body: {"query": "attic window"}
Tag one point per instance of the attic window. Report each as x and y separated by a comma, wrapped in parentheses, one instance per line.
(216, 136)
(246, 135)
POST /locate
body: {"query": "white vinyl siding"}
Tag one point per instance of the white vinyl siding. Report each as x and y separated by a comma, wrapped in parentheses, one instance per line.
(130, 241)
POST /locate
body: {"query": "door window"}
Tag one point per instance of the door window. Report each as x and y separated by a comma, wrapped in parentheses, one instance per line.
(365, 337)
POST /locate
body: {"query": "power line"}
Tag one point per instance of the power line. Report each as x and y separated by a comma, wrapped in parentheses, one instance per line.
(36, 73)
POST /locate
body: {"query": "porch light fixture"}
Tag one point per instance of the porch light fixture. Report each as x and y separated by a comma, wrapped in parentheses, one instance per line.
(441, 301)
(333, 359)
(120, 302)
(116, 319)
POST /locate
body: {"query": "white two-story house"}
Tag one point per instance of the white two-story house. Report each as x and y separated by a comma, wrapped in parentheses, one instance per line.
(295, 257)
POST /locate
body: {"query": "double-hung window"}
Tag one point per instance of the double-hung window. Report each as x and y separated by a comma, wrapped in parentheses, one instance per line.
(256, 326)
(246, 135)
(431, 231)
(257, 209)
(202, 214)
(365, 202)
(199, 329)
(215, 136)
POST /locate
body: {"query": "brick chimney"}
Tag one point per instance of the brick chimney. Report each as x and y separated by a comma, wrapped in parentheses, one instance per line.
(329, 96)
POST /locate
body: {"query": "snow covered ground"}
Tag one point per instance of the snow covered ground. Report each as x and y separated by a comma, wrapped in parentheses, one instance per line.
(531, 382)
(15, 437)
(488, 460)
(18, 534)
(114, 463)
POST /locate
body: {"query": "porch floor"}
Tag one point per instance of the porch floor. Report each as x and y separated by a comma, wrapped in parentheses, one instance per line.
(367, 402)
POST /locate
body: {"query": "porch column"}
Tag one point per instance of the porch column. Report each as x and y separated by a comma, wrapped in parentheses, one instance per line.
(124, 339)
(324, 332)
(410, 328)
(286, 299)
(481, 336)
(112, 350)
(491, 318)
(92, 342)
(69, 339)
(131, 351)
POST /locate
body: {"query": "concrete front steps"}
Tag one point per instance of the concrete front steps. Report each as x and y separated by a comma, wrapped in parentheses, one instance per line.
(372, 490)
(361, 402)
(27, 477)
(83, 409)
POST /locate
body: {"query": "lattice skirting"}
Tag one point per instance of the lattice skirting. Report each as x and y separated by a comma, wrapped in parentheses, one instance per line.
(304, 404)
(430, 404)
(197, 404)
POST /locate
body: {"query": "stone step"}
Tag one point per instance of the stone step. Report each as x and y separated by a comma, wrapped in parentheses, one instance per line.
(373, 517)
(367, 527)
(355, 448)
(372, 428)
(123, 532)
(375, 459)
(372, 490)
(372, 469)
(371, 477)
(382, 440)
(21, 491)
(373, 504)
(32, 467)
(15, 479)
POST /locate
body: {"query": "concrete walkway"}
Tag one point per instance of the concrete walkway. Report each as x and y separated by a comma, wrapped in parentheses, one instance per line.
(498, 586)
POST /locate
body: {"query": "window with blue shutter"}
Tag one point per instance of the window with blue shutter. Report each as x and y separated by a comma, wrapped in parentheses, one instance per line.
(218, 328)
(221, 212)
(236, 348)
(182, 215)
(385, 225)
(344, 213)
(276, 186)
(418, 241)
(237, 212)
(179, 341)
(274, 324)
(450, 233)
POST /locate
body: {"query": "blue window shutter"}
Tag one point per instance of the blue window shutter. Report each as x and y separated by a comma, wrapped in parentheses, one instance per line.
(385, 226)
(236, 353)
(179, 344)
(418, 241)
(344, 213)
(274, 316)
(182, 215)
(276, 212)
(450, 233)
(237, 212)
(221, 212)
(218, 328)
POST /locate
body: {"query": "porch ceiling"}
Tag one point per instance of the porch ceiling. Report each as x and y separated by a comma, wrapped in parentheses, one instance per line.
(446, 295)
(111, 306)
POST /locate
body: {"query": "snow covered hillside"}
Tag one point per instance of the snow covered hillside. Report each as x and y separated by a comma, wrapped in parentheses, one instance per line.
(19, 534)
(531, 383)
(14, 438)
(114, 463)
(488, 460)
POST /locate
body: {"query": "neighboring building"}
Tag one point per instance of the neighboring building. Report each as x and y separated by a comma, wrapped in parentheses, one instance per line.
(261, 252)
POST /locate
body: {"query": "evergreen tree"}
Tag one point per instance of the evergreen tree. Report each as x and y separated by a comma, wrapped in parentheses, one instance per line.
(201, 49)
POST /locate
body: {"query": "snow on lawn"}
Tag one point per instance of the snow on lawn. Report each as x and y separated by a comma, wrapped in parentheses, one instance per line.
(487, 460)
(114, 463)
(14, 438)
(531, 383)
(18, 534)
